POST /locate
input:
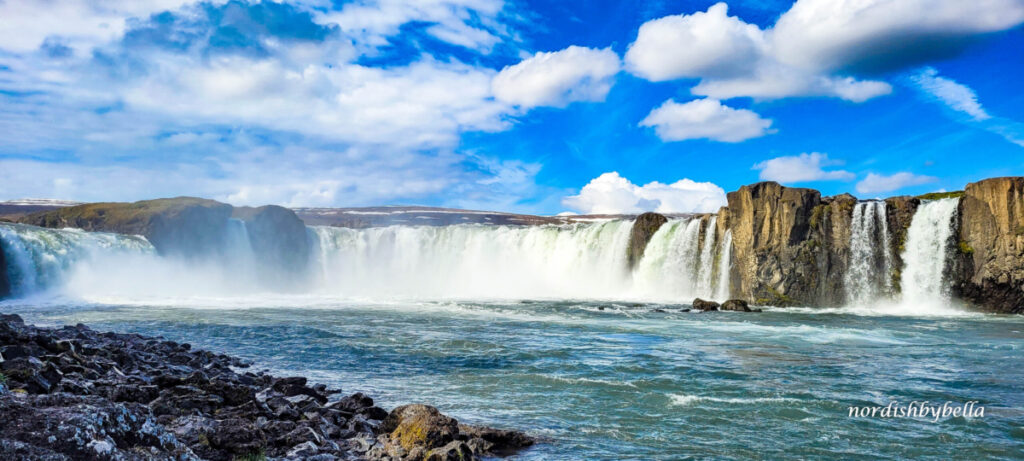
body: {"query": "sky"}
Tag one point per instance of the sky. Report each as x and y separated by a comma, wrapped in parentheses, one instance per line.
(524, 106)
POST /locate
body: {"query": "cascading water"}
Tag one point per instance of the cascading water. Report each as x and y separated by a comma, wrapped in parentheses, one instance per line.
(40, 259)
(929, 241)
(724, 267)
(868, 276)
(707, 258)
(470, 260)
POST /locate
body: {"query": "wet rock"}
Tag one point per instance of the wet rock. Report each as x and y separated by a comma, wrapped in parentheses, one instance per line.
(454, 451)
(737, 305)
(704, 306)
(643, 229)
(417, 425)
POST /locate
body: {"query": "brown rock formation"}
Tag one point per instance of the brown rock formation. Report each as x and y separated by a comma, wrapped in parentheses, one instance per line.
(643, 229)
(991, 272)
(278, 238)
(899, 213)
(790, 246)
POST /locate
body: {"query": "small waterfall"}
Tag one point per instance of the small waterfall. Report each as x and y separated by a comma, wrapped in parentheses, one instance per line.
(707, 258)
(724, 267)
(927, 251)
(675, 265)
(40, 259)
(867, 277)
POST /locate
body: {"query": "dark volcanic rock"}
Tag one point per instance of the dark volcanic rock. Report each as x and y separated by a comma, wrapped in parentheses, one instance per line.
(643, 229)
(184, 225)
(737, 305)
(899, 213)
(73, 393)
(704, 306)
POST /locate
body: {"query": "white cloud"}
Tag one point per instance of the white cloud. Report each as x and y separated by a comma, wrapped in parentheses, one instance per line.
(876, 183)
(558, 78)
(801, 168)
(371, 22)
(878, 35)
(732, 59)
(705, 118)
(613, 194)
(958, 97)
(81, 24)
(703, 44)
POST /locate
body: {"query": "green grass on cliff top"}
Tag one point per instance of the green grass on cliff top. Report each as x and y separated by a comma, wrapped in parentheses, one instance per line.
(941, 195)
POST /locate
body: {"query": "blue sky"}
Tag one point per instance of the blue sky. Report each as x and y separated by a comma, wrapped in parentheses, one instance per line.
(539, 107)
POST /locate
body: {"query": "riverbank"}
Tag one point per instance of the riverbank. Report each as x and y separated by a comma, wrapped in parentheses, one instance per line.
(75, 393)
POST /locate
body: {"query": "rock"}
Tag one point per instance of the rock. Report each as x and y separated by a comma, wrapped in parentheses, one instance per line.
(643, 229)
(498, 442)
(899, 213)
(453, 451)
(704, 306)
(412, 426)
(280, 242)
(790, 246)
(737, 305)
(990, 273)
(186, 226)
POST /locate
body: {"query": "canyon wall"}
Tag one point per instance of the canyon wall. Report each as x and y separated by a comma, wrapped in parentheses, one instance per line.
(991, 246)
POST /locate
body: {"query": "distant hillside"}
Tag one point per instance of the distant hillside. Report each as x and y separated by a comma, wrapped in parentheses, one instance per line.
(12, 210)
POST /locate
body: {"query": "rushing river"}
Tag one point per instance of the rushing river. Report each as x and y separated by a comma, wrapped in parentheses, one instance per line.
(604, 380)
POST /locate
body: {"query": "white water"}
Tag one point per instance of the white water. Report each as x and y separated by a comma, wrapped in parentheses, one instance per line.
(706, 266)
(724, 267)
(867, 278)
(924, 282)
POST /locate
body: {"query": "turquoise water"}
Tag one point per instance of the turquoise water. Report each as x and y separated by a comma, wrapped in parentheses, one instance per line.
(600, 380)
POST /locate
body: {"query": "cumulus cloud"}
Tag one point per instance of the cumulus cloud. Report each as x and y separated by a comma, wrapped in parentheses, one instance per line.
(958, 97)
(883, 35)
(876, 183)
(558, 78)
(732, 59)
(816, 48)
(705, 118)
(802, 168)
(613, 194)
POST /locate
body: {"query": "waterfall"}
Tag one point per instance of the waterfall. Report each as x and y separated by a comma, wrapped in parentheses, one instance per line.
(584, 260)
(707, 258)
(867, 277)
(929, 241)
(724, 267)
(674, 265)
(40, 259)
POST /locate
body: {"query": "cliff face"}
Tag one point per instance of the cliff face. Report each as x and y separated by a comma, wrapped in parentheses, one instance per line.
(991, 272)
(278, 238)
(643, 229)
(899, 212)
(790, 246)
(180, 226)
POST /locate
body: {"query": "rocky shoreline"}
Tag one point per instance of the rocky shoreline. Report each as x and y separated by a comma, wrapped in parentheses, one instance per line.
(75, 393)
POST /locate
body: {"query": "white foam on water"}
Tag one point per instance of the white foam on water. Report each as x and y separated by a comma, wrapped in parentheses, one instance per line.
(690, 399)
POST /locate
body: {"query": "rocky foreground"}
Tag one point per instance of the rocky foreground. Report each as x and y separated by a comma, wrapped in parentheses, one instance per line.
(75, 393)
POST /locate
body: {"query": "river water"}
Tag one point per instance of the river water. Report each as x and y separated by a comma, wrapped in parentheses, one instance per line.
(607, 380)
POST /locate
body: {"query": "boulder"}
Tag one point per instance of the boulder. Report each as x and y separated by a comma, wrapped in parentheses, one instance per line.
(737, 305)
(419, 426)
(185, 226)
(704, 306)
(990, 270)
(643, 229)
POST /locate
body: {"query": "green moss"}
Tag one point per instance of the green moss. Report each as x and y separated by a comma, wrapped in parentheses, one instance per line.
(259, 455)
(818, 216)
(774, 298)
(965, 248)
(3, 379)
(941, 195)
(204, 440)
(1020, 230)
